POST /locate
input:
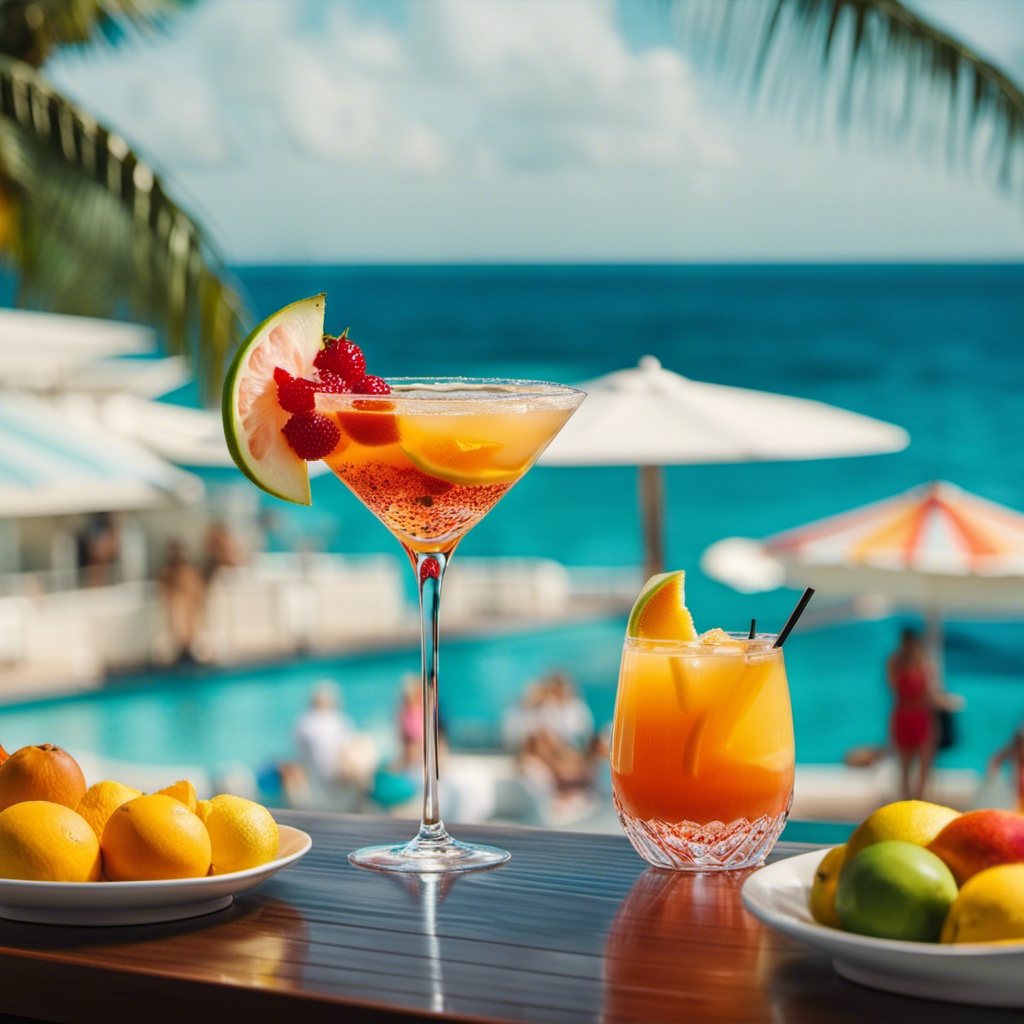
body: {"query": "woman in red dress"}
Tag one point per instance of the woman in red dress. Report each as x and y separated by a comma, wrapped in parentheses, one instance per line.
(913, 725)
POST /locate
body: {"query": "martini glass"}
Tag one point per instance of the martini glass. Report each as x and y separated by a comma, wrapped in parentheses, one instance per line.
(430, 460)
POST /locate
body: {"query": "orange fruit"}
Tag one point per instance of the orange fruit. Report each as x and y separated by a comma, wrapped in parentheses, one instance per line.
(243, 834)
(102, 799)
(660, 612)
(182, 790)
(3, 755)
(43, 772)
(46, 842)
(154, 837)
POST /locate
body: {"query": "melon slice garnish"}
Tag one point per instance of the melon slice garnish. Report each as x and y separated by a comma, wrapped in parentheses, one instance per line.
(660, 612)
(253, 419)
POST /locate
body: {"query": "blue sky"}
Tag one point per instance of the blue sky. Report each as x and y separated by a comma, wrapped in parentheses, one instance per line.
(522, 130)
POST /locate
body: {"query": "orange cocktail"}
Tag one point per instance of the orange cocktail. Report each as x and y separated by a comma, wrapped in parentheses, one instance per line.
(430, 458)
(702, 749)
(430, 462)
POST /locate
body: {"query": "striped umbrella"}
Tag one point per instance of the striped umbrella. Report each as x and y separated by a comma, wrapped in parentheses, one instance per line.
(56, 462)
(935, 548)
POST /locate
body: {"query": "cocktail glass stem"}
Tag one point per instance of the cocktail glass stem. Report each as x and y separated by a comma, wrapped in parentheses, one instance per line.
(433, 850)
(429, 574)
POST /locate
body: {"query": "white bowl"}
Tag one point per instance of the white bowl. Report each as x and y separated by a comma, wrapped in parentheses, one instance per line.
(981, 974)
(107, 903)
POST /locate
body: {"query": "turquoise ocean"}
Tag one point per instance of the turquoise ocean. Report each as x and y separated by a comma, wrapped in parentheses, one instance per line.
(935, 348)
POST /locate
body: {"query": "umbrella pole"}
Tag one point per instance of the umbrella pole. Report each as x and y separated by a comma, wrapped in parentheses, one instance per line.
(652, 513)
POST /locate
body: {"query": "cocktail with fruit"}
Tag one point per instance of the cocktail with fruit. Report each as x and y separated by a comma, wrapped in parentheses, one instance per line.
(702, 739)
(429, 458)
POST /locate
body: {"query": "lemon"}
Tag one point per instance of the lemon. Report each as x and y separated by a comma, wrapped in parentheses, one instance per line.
(100, 801)
(989, 908)
(823, 888)
(183, 791)
(913, 821)
(660, 612)
(243, 834)
(154, 837)
(47, 842)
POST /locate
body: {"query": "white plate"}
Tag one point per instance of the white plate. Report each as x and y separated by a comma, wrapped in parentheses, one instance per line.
(986, 975)
(106, 903)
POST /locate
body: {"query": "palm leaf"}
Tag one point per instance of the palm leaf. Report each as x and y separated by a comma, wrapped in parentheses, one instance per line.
(93, 231)
(866, 65)
(31, 29)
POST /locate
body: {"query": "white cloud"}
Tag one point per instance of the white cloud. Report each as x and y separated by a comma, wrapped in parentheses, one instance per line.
(555, 85)
(534, 85)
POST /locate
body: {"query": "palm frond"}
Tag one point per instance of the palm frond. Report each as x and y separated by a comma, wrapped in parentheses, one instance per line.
(873, 66)
(31, 29)
(92, 230)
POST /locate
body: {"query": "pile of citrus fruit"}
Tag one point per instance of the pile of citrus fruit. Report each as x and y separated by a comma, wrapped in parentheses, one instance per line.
(925, 873)
(53, 828)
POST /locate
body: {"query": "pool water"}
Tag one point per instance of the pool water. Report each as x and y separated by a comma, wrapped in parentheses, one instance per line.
(213, 717)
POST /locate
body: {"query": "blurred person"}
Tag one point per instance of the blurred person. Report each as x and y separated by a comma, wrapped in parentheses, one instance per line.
(564, 713)
(331, 748)
(1012, 752)
(913, 726)
(557, 752)
(221, 550)
(184, 596)
(410, 726)
(99, 546)
(520, 721)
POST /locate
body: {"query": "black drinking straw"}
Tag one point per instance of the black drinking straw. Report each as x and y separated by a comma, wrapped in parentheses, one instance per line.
(794, 615)
(753, 624)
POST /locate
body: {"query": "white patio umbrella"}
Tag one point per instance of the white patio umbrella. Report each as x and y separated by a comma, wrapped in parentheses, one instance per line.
(936, 549)
(651, 417)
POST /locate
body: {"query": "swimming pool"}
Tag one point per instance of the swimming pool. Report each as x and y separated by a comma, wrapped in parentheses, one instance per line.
(213, 717)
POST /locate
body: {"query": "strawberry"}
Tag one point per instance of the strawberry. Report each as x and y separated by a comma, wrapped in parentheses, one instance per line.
(430, 569)
(371, 386)
(341, 356)
(312, 435)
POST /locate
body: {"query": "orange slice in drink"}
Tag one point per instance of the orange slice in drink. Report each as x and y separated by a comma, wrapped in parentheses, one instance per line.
(470, 461)
(253, 418)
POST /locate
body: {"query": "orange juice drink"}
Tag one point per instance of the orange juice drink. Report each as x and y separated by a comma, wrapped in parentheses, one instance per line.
(702, 749)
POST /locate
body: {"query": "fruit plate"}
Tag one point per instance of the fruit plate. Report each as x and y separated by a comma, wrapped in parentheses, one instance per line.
(114, 903)
(984, 975)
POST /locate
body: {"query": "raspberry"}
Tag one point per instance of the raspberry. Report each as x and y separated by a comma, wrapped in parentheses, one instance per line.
(332, 384)
(371, 386)
(341, 356)
(294, 394)
(430, 569)
(312, 435)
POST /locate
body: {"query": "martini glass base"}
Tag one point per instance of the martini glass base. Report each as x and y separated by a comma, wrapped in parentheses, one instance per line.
(430, 852)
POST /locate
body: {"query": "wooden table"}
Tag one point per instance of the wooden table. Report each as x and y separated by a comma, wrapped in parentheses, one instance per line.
(574, 929)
